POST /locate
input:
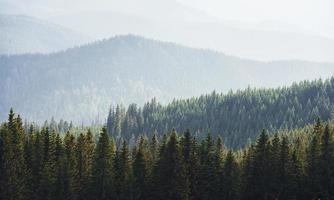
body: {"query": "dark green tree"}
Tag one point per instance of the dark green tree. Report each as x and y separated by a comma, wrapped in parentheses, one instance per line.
(230, 178)
(102, 167)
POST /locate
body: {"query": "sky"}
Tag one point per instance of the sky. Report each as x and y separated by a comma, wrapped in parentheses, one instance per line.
(254, 29)
(315, 15)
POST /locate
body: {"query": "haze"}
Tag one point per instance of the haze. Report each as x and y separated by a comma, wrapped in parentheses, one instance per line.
(259, 29)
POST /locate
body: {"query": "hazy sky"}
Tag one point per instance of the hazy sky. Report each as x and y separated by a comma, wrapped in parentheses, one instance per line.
(317, 15)
(255, 29)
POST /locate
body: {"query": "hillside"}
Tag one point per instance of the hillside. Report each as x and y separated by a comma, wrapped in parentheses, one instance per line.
(23, 34)
(82, 82)
(238, 117)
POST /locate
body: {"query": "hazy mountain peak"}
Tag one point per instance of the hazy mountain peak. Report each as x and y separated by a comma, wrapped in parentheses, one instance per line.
(23, 34)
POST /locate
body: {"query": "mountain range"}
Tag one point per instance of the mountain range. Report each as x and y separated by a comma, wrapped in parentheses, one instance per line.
(22, 34)
(82, 82)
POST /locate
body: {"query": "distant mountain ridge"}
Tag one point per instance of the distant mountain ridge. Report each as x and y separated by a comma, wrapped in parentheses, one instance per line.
(81, 83)
(22, 34)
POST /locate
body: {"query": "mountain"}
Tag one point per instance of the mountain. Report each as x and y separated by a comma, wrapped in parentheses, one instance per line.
(174, 21)
(260, 42)
(23, 34)
(82, 82)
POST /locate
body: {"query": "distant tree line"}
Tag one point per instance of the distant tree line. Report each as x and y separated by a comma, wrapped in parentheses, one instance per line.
(42, 164)
(236, 116)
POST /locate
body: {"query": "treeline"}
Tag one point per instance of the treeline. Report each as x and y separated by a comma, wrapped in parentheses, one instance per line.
(236, 116)
(44, 165)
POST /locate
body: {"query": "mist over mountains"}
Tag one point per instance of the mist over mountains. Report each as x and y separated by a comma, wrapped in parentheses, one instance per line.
(175, 21)
(82, 82)
(22, 34)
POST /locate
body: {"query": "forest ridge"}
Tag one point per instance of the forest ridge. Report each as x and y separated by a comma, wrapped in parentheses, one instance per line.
(237, 116)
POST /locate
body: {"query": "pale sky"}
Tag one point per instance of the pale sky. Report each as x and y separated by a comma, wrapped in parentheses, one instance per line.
(255, 29)
(314, 15)
(317, 15)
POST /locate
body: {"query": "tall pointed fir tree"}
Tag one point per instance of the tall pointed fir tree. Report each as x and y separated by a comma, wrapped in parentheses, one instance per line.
(14, 169)
(122, 176)
(230, 178)
(284, 172)
(191, 162)
(102, 167)
(28, 156)
(46, 188)
(313, 189)
(326, 164)
(70, 171)
(141, 171)
(84, 154)
(169, 174)
(257, 186)
(296, 183)
(207, 175)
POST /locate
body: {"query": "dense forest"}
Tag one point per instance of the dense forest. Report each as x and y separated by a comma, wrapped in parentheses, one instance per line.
(42, 164)
(236, 116)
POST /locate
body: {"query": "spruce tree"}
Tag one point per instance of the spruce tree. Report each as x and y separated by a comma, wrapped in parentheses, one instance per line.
(260, 170)
(313, 189)
(327, 164)
(102, 168)
(28, 157)
(46, 187)
(122, 176)
(191, 162)
(170, 172)
(207, 172)
(140, 171)
(284, 173)
(14, 168)
(70, 171)
(230, 178)
(84, 154)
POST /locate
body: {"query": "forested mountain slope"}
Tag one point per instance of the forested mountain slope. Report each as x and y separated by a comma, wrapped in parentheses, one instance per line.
(22, 34)
(237, 116)
(80, 83)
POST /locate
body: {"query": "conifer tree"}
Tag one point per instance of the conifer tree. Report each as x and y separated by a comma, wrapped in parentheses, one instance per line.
(171, 177)
(296, 189)
(191, 162)
(46, 187)
(207, 173)
(327, 164)
(70, 172)
(28, 157)
(275, 166)
(313, 160)
(177, 184)
(59, 169)
(122, 176)
(102, 168)
(37, 164)
(284, 173)
(14, 168)
(84, 155)
(218, 169)
(154, 149)
(230, 178)
(140, 171)
(260, 170)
